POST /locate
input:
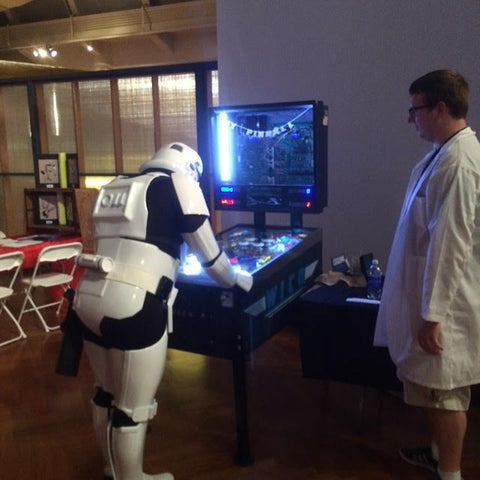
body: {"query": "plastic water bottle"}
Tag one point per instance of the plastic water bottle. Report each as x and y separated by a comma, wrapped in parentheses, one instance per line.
(374, 281)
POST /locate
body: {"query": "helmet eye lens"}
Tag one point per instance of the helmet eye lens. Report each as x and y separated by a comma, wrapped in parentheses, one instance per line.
(196, 170)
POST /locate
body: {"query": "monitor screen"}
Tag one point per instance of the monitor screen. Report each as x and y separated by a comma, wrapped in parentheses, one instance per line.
(270, 157)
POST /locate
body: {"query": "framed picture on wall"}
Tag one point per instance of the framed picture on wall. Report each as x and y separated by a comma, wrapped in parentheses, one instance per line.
(47, 171)
(46, 211)
(73, 180)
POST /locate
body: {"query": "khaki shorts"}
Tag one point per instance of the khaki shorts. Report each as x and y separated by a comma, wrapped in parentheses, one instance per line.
(457, 399)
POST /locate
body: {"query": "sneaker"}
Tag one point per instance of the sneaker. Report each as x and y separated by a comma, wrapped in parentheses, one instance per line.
(420, 457)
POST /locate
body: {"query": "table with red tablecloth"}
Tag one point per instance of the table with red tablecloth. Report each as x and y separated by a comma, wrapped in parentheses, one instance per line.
(31, 251)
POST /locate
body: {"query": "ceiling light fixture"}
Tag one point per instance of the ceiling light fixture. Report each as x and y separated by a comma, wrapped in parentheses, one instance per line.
(45, 52)
(52, 51)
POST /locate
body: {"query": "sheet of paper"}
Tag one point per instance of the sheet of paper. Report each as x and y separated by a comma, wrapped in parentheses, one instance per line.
(18, 242)
(363, 300)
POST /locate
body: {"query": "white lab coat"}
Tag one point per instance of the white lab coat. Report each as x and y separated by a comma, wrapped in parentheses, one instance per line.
(434, 269)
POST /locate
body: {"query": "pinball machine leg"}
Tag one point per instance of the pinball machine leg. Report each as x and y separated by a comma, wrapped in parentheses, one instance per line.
(243, 456)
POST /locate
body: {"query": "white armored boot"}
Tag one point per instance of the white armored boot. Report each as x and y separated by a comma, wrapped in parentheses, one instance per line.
(127, 445)
(100, 423)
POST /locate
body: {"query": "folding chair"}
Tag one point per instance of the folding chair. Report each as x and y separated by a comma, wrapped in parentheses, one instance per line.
(11, 263)
(47, 274)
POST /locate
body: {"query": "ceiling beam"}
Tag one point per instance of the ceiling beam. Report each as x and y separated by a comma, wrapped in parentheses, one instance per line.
(162, 19)
(21, 69)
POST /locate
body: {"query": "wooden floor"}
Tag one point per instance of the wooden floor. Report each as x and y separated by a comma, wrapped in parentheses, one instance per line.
(46, 431)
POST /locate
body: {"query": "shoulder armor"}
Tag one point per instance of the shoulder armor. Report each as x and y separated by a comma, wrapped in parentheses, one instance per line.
(190, 195)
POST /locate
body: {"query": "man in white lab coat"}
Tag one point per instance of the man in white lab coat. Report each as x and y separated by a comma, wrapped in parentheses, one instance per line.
(429, 315)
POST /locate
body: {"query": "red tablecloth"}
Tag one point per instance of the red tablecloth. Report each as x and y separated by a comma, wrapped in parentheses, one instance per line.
(31, 254)
(31, 251)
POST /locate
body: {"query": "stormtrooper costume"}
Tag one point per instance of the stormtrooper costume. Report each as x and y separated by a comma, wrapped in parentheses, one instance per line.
(124, 300)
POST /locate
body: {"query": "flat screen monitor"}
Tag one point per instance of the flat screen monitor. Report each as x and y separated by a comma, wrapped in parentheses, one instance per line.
(270, 157)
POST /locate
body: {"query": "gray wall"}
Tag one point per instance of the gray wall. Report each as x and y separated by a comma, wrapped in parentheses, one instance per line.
(359, 57)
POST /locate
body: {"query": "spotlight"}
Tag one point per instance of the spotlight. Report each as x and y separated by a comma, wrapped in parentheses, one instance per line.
(89, 48)
(51, 51)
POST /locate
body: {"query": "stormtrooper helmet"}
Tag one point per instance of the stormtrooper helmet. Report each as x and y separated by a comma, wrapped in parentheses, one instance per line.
(176, 157)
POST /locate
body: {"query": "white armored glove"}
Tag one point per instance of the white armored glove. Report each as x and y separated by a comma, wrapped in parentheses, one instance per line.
(222, 272)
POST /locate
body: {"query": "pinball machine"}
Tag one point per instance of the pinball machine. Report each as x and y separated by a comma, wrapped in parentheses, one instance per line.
(266, 158)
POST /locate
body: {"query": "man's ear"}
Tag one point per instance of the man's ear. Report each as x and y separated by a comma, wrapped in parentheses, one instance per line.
(442, 107)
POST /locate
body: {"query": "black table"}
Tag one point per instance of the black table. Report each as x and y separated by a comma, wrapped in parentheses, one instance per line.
(336, 339)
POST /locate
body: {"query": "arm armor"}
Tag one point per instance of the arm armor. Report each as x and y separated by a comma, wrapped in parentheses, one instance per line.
(215, 262)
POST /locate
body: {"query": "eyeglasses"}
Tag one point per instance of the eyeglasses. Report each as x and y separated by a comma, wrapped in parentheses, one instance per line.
(412, 111)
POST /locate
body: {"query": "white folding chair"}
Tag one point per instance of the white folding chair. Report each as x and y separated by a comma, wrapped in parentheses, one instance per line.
(10, 264)
(47, 274)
